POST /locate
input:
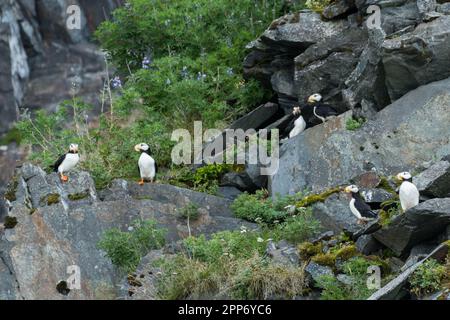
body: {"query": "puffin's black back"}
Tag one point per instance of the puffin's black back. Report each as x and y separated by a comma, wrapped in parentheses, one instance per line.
(58, 163)
(364, 209)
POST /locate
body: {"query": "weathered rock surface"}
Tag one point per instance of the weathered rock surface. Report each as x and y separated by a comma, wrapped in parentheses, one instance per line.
(37, 46)
(434, 181)
(423, 222)
(59, 225)
(395, 140)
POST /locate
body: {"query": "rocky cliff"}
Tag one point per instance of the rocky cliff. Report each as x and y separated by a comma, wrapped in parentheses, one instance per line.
(41, 58)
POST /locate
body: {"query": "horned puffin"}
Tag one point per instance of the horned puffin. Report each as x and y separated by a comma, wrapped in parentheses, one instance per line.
(146, 164)
(359, 207)
(321, 110)
(298, 124)
(67, 162)
(408, 193)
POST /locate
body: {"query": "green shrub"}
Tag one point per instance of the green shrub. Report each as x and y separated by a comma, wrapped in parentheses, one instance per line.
(427, 278)
(354, 124)
(230, 264)
(190, 211)
(356, 269)
(299, 228)
(125, 249)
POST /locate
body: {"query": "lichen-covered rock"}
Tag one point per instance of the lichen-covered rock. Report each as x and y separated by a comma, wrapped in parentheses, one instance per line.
(395, 140)
(422, 222)
(59, 225)
(434, 181)
(315, 271)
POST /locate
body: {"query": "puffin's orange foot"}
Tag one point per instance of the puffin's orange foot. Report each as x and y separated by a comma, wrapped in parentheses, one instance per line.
(64, 178)
(141, 182)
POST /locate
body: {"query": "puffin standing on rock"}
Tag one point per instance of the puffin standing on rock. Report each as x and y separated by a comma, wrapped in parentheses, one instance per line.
(67, 162)
(408, 193)
(359, 207)
(147, 165)
(298, 124)
(321, 110)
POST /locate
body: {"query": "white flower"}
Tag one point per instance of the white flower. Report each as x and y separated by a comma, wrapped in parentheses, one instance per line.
(260, 239)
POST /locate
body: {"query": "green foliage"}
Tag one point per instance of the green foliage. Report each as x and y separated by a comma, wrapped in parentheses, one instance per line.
(229, 264)
(257, 209)
(299, 228)
(125, 249)
(314, 198)
(190, 211)
(317, 5)
(356, 269)
(10, 222)
(389, 210)
(11, 136)
(354, 124)
(427, 278)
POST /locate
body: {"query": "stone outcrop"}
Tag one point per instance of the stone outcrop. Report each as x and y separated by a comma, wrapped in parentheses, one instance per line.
(59, 225)
(409, 132)
(41, 57)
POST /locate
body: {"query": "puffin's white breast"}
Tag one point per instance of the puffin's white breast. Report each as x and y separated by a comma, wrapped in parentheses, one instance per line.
(354, 210)
(299, 126)
(146, 166)
(69, 162)
(409, 195)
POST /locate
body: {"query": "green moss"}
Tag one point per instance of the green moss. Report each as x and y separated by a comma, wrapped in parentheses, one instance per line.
(314, 198)
(78, 196)
(354, 124)
(51, 199)
(343, 253)
(385, 185)
(447, 243)
(308, 249)
(387, 215)
(10, 194)
(10, 222)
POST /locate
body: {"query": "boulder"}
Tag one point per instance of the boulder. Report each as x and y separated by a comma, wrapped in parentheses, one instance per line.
(367, 244)
(328, 155)
(283, 253)
(338, 8)
(315, 271)
(434, 182)
(334, 214)
(414, 59)
(423, 222)
(59, 226)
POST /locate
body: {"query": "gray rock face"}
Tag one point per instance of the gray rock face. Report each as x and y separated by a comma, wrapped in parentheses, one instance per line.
(367, 244)
(315, 271)
(415, 58)
(283, 253)
(36, 45)
(395, 140)
(435, 181)
(59, 225)
(423, 222)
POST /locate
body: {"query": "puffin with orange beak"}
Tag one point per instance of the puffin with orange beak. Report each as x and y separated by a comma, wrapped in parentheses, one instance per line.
(408, 193)
(67, 162)
(146, 164)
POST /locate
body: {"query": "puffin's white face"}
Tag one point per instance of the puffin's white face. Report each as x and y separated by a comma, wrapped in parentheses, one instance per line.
(351, 189)
(316, 97)
(73, 148)
(141, 147)
(296, 111)
(404, 176)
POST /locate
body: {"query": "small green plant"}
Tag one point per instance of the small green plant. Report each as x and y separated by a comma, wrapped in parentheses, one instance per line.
(10, 222)
(427, 278)
(354, 124)
(125, 249)
(317, 5)
(190, 212)
(389, 210)
(299, 228)
(357, 289)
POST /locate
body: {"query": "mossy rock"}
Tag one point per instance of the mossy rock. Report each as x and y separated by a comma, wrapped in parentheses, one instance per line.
(342, 253)
(78, 196)
(51, 199)
(385, 185)
(308, 249)
(314, 198)
(10, 193)
(10, 222)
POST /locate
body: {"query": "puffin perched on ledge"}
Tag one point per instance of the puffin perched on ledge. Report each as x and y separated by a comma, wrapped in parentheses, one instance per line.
(408, 193)
(297, 124)
(146, 164)
(321, 110)
(67, 162)
(359, 207)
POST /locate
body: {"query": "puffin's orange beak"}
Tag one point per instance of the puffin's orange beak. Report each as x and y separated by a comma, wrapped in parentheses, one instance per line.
(347, 190)
(137, 148)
